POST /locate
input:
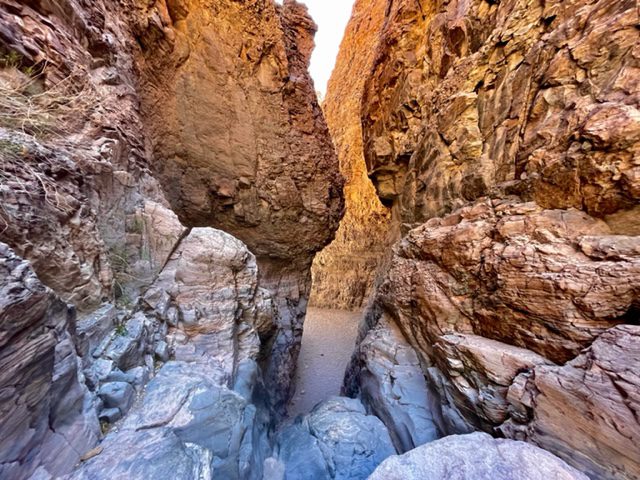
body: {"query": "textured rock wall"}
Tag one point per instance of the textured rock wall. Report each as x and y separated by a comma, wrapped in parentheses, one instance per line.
(344, 272)
(504, 136)
(47, 413)
(97, 100)
(241, 144)
(467, 97)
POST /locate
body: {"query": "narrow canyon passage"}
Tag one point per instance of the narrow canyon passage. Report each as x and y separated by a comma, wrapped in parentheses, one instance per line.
(327, 344)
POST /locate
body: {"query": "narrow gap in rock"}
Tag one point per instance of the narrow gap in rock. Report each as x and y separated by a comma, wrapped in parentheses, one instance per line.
(327, 344)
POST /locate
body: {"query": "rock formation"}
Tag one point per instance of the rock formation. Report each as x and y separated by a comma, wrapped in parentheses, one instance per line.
(47, 413)
(475, 456)
(507, 145)
(343, 273)
(102, 104)
(167, 177)
(240, 142)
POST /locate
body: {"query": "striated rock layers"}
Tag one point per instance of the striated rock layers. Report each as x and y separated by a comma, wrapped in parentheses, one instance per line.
(505, 136)
(240, 142)
(112, 116)
(47, 417)
(344, 272)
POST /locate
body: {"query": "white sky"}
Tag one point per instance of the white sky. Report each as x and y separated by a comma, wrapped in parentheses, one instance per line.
(332, 17)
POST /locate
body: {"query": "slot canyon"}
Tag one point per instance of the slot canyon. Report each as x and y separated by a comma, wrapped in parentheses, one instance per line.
(430, 273)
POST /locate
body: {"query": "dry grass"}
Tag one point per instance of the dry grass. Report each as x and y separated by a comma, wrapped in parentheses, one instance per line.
(45, 112)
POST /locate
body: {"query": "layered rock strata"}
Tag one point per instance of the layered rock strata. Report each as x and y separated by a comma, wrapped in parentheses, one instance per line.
(48, 416)
(99, 99)
(240, 142)
(506, 143)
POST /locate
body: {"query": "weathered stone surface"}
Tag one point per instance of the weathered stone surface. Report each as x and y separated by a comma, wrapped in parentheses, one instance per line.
(391, 384)
(476, 456)
(337, 440)
(585, 411)
(210, 284)
(75, 186)
(241, 144)
(465, 96)
(186, 426)
(343, 273)
(517, 289)
(46, 415)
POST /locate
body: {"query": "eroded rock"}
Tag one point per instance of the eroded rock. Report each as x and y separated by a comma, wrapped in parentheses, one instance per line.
(47, 415)
(476, 456)
(337, 440)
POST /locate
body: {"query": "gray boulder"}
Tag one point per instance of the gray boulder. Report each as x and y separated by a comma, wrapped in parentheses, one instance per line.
(186, 426)
(392, 387)
(337, 440)
(118, 395)
(476, 456)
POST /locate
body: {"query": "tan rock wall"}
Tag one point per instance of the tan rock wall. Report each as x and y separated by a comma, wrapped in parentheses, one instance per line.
(504, 136)
(344, 272)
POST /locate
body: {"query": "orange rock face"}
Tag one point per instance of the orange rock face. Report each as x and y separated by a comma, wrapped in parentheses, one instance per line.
(343, 273)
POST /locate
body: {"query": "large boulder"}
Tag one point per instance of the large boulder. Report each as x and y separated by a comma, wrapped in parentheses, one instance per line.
(476, 456)
(386, 375)
(494, 296)
(186, 426)
(336, 441)
(585, 411)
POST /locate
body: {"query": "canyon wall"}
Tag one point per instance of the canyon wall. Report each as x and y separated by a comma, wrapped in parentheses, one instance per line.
(127, 129)
(344, 272)
(505, 137)
(240, 142)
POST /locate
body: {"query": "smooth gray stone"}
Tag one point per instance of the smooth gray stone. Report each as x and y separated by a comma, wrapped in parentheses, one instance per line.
(118, 395)
(161, 351)
(110, 415)
(336, 441)
(476, 456)
(93, 329)
(128, 350)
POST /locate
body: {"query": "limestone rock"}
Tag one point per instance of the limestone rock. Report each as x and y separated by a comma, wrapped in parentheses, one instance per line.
(186, 426)
(240, 142)
(476, 456)
(516, 290)
(467, 97)
(344, 272)
(337, 440)
(47, 417)
(210, 285)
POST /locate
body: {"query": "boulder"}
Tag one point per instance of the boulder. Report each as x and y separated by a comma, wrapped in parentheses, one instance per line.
(337, 440)
(392, 386)
(476, 456)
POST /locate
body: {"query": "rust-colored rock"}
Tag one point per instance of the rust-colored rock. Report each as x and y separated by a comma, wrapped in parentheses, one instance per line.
(240, 142)
(343, 273)
(466, 96)
(506, 142)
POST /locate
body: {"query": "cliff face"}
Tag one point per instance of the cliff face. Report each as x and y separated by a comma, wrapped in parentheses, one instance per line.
(123, 126)
(240, 142)
(467, 98)
(504, 136)
(343, 273)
